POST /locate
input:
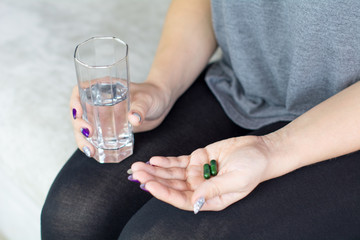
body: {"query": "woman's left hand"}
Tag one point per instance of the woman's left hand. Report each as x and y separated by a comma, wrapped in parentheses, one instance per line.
(243, 163)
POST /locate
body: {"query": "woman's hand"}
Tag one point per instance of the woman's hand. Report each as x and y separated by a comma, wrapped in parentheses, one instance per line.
(149, 106)
(243, 163)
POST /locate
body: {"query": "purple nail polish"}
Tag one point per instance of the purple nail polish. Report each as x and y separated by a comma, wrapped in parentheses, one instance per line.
(74, 113)
(148, 162)
(142, 186)
(85, 132)
(130, 178)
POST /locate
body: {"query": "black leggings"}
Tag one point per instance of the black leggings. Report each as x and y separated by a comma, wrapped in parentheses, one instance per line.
(89, 200)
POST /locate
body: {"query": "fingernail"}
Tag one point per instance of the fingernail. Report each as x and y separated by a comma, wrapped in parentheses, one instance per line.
(87, 151)
(74, 113)
(198, 204)
(137, 115)
(85, 132)
(142, 186)
(148, 162)
(130, 178)
(129, 171)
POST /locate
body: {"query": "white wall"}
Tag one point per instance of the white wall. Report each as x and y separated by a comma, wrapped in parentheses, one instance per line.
(37, 40)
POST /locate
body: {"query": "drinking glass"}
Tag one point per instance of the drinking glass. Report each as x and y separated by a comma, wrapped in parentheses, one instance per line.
(102, 71)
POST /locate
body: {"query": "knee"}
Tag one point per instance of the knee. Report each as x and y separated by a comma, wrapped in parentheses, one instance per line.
(54, 220)
(73, 218)
(62, 219)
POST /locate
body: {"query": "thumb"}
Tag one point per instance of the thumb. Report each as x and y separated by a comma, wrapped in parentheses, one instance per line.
(206, 196)
(138, 111)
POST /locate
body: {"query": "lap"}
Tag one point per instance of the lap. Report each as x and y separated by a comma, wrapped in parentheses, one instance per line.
(314, 202)
(89, 200)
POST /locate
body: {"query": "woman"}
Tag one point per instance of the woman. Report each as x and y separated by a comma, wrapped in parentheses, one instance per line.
(285, 95)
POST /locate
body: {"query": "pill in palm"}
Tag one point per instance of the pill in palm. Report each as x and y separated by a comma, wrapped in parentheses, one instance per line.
(213, 167)
(207, 171)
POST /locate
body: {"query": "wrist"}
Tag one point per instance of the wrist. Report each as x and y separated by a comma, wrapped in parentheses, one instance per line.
(165, 91)
(170, 81)
(282, 157)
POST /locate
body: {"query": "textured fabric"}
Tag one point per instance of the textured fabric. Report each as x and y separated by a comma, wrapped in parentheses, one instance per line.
(282, 57)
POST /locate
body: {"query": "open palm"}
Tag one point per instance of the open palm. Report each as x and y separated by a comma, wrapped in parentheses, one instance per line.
(179, 181)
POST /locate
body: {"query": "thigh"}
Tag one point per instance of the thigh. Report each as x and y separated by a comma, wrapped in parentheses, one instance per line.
(315, 202)
(89, 200)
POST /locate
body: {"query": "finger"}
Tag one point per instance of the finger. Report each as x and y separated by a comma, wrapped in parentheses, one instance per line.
(138, 109)
(170, 162)
(75, 105)
(177, 198)
(222, 185)
(134, 118)
(222, 202)
(165, 173)
(83, 130)
(84, 145)
(83, 127)
(215, 186)
(144, 177)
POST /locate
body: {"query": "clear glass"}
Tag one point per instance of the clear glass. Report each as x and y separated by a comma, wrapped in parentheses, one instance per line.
(102, 71)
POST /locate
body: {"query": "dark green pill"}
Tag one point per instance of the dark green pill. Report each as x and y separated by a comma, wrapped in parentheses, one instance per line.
(213, 167)
(207, 171)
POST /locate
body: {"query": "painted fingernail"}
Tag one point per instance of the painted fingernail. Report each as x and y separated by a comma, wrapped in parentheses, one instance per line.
(198, 204)
(131, 178)
(87, 151)
(149, 163)
(85, 132)
(129, 171)
(142, 186)
(137, 115)
(74, 113)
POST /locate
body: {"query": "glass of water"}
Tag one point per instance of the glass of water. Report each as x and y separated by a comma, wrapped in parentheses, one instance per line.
(102, 71)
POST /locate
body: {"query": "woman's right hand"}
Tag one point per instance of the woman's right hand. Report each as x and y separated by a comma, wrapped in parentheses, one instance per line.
(149, 106)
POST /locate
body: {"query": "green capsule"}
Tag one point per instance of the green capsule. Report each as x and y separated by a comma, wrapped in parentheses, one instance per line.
(207, 171)
(213, 167)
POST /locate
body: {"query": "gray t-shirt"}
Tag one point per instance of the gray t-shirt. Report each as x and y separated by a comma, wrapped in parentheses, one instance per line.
(282, 57)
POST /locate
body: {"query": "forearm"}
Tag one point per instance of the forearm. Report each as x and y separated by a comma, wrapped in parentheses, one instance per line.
(328, 130)
(185, 47)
